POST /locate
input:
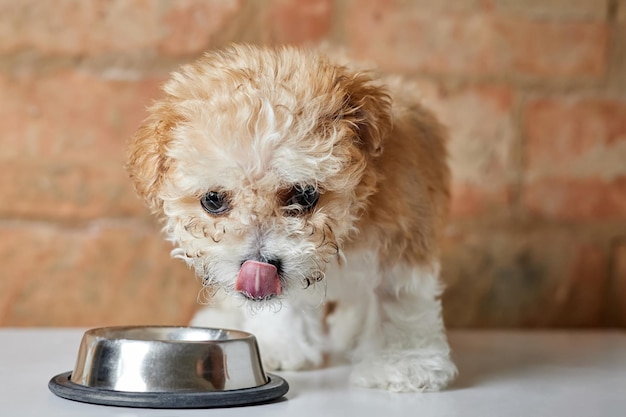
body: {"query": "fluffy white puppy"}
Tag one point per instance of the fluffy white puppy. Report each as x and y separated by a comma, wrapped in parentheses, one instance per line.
(309, 195)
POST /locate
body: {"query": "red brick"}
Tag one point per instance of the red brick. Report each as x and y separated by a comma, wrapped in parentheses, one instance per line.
(618, 278)
(71, 114)
(529, 277)
(576, 150)
(480, 123)
(621, 11)
(572, 137)
(299, 21)
(454, 6)
(577, 199)
(579, 297)
(402, 37)
(554, 9)
(473, 200)
(554, 49)
(190, 25)
(78, 27)
(63, 145)
(66, 189)
(619, 265)
(104, 274)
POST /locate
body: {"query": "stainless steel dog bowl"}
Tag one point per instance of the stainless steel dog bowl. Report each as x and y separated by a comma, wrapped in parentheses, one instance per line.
(168, 367)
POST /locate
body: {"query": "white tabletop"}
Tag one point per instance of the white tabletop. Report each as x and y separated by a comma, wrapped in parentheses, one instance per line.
(501, 374)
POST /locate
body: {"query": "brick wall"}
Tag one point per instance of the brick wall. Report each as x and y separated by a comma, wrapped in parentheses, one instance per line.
(534, 93)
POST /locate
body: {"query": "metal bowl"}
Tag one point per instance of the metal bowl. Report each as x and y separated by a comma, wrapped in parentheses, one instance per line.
(168, 367)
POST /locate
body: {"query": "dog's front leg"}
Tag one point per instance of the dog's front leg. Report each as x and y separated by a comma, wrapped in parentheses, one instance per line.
(404, 347)
(290, 338)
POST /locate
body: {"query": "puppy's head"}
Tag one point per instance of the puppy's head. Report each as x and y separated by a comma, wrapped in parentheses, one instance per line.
(259, 162)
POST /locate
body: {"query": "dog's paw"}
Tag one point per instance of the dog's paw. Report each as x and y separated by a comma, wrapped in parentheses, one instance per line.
(286, 356)
(404, 372)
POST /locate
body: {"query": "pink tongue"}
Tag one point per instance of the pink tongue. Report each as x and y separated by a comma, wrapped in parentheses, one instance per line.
(258, 280)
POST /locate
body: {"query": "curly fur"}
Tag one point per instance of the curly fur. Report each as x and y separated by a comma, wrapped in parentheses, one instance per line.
(251, 122)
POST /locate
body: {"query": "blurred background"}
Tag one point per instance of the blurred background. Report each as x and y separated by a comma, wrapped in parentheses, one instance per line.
(533, 92)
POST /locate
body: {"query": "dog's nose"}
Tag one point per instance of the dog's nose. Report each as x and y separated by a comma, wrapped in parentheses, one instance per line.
(276, 262)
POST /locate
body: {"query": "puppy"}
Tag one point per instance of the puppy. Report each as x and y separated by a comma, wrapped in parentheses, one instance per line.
(310, 196)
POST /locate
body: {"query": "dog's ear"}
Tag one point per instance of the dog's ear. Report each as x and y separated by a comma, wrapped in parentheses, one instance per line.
(148, 163)
(368, 106)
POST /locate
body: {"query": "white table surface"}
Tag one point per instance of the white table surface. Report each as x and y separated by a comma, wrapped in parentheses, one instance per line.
(501, 374)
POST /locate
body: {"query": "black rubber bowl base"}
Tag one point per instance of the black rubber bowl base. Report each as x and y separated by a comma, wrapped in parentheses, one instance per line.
(276, 387)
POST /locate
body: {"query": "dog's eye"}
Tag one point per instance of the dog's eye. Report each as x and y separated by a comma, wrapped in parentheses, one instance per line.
(215, 202)
(303, 196)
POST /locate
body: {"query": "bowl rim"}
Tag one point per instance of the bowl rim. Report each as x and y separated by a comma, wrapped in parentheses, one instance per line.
(118, 333)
